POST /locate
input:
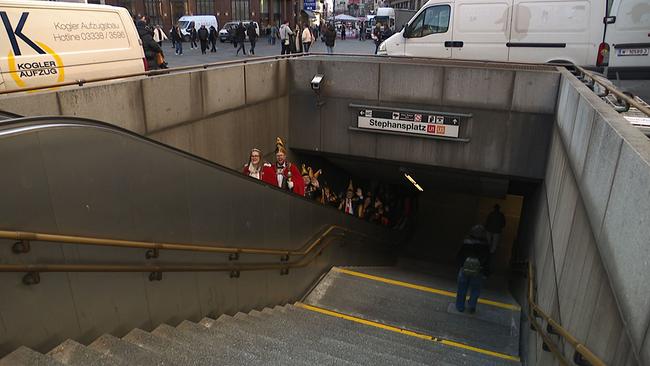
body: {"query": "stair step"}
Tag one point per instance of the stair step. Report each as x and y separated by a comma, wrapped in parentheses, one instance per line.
(129, 353)
(28, 357)
(220, 352)
(167, 348)
(76, 354)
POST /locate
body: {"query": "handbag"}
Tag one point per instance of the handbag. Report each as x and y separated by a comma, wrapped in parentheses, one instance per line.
(286, 42)
(160, 59)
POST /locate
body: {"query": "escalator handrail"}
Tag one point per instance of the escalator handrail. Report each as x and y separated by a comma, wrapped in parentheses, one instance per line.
(581, 350)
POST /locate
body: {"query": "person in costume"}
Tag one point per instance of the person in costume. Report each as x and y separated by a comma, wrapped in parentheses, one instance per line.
(312, 187)
(255, 168)
(328, 197)
(287, 176)
(349, 204)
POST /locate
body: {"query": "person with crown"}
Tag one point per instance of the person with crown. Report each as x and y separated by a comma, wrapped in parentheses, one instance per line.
(255, 168)
(286, 175)
(312, 186)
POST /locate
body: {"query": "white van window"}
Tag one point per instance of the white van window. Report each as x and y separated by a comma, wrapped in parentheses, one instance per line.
(433, 20)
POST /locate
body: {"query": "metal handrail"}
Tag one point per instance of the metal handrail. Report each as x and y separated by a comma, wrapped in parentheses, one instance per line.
(582, 352)
(82, 240)
(631, 101)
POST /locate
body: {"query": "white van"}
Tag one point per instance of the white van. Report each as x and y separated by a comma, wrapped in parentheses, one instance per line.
(45, 43)
(187, 21)
(625, 51)
(506, 30)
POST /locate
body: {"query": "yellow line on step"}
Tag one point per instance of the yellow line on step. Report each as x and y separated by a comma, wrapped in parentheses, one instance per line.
(423, 288)
(408, 332)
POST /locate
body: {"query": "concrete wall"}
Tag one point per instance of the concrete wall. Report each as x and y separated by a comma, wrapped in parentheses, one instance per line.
(218, 114)
(123, 187)
(591, 247)
(509, 131)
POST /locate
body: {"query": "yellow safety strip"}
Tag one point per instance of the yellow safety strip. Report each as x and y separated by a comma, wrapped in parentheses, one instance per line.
(408, 332)
(424, 288)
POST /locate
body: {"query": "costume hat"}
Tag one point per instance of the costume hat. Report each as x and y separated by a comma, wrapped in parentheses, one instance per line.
(350, 186)
(279, 146)
(304, 171)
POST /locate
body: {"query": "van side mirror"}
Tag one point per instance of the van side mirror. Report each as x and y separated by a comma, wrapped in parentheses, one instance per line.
(407, 31)
(609, 20)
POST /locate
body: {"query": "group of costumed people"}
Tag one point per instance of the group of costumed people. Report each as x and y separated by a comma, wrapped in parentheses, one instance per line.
(304, 182)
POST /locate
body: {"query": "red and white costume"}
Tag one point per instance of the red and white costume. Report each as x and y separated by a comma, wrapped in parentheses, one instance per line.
(279, 174)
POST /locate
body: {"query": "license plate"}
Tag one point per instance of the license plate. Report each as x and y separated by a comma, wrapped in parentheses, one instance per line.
(633, 51)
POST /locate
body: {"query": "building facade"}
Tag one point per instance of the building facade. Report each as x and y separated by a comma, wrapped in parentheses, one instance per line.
(167, 12)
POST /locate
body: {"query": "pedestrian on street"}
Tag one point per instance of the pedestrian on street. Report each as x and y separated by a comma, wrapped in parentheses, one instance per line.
(330, 38)
(203, 36)
(240, 38)
(362, 32)
(159, 35)
(193, 37)
(494, 225)
(177, 39)
(473, 260)
(149, 46)
(214, 35)
(307, 38)
(296, 42)
(252, 36)
(285, 37)
(376, 37)
(342, 31)
(274, 34)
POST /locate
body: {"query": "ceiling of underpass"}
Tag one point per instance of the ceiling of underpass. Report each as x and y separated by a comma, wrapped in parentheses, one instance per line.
(429, 178)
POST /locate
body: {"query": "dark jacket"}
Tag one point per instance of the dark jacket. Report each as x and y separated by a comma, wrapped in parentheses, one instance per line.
(252, 32)
(240, 33)
(193, 34)
(175, 35)
(150, 47)
(330, 37)
(477, 248)
(495, 222)
(203, 34)
(213, 34)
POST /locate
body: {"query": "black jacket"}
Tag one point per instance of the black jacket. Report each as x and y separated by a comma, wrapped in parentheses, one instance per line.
(252, 32)
(240, 33)
(150, 47)
(330, 37)
(203, 34)
(477, 248)
(213, 34)
(175, 35)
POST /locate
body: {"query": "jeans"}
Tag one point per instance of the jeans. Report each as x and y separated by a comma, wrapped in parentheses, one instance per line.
(330, 50)
(305, 46)
(253, 46)
(179, 48)
(241, 47)
(464, 283)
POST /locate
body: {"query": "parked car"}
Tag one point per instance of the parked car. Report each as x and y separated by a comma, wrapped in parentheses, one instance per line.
(226, 33)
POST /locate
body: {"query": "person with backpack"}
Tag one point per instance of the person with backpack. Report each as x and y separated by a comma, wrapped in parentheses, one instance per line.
(473, 259)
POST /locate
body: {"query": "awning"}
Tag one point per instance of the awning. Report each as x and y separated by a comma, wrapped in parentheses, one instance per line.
(346, 18)
(308, 13)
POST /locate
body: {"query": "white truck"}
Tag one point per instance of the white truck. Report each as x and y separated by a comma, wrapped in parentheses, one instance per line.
(536, 31)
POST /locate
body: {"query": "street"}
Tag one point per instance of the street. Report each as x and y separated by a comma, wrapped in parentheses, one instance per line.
(226, 51)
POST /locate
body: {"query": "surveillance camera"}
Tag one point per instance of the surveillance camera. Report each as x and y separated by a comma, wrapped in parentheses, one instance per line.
(316, 81)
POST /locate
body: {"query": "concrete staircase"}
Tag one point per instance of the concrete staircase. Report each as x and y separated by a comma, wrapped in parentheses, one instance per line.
(299, 334)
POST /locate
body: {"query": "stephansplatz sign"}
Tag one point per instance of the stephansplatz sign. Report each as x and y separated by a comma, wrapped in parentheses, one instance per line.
(428, 124)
